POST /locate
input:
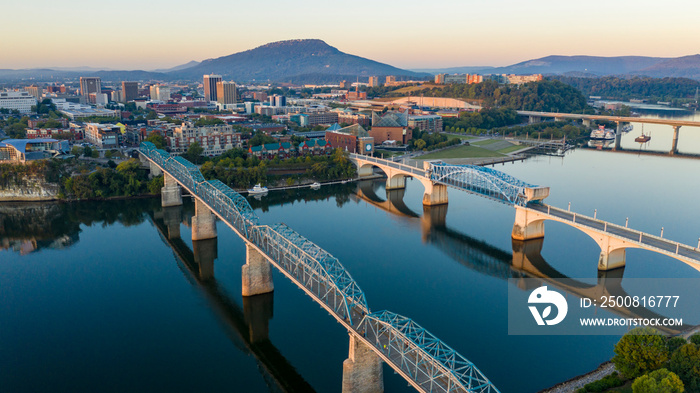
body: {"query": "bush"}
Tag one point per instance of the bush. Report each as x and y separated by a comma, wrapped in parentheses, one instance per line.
(609, 381)
(640, 351)
(695, 339)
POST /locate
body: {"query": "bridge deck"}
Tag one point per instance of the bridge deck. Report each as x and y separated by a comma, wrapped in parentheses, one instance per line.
(325, 280)
(644, 240)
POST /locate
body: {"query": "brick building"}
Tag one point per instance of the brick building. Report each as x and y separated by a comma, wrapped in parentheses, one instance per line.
(391, 126)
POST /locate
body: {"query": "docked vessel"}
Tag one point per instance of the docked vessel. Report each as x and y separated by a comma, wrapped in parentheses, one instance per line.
(602, 134)
(258, 189)
(643, 138)
(315, 185)
(627, 128)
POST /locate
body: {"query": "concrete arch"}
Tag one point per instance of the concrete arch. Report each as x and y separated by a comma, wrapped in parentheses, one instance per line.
(529, 224)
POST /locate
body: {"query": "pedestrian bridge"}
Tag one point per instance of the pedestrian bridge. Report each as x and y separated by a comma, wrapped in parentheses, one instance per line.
(530, 211)
(422, 359)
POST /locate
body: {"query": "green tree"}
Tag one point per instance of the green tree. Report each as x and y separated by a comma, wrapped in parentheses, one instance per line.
(194, 153)
(420, 144)
(695, 339)
(674, 343)
(87, 151)
(685, 362)
(640, 351)
(260, 139)
(659, 381)
(157, 139)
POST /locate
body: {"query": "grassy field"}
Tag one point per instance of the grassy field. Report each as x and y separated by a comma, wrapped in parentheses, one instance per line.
(461, 152)
(510, 149)
(387, 153)
(464, 137)
(485, 142)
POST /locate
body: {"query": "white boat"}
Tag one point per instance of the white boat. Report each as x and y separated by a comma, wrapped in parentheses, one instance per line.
(258, 189)
(602, 134)
(315, 185)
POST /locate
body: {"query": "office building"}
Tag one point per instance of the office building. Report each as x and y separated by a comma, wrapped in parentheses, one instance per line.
(17, 100)
(354, 139)
(226, 93)
(34, 90)
(373, 81)
(102, 135)
(130, 91)
(393, 126)
(390, 79)
(429, 123)
(440, 79)
(160, 93)
(210, 82)
(90, 85)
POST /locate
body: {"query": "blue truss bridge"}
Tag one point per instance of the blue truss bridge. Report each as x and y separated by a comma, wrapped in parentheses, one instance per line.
(427, 363)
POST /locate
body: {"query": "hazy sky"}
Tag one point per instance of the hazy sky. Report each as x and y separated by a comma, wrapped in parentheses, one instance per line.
(148, 34)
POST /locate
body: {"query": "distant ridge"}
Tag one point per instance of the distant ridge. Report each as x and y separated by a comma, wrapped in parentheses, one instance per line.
(593, 66)
(307, 60)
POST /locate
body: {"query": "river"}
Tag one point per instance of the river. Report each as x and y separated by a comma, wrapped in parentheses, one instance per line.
(95, 296)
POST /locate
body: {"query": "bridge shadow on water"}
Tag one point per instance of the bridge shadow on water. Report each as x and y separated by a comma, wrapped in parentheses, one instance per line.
(524, 261)
(248, 325)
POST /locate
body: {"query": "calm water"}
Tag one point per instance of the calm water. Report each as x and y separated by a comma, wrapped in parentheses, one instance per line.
(96, 296)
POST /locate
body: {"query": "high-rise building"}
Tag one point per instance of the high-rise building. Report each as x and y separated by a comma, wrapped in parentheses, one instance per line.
(280, 101)
(373, 81)
(160, 93)
(390, 79)
(210, 82)
(130, 91)
(226, 93)
(90, 85)
(34, 90)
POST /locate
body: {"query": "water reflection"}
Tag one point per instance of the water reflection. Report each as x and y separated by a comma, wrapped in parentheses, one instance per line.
(248, 327)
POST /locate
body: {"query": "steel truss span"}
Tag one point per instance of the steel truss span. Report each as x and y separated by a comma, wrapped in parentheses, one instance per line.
(480, 180)
(413, 352)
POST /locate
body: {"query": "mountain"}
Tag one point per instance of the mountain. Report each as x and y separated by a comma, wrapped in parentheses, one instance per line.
(456, 70)
(178, 68)
(308, 60)
(682, 67)
(587, 64)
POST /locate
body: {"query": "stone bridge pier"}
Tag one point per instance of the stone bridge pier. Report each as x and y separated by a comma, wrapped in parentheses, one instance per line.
(674, 144)
(170, 194)
(362, 370)
(203, 222)
(256, 273)
(205, 253)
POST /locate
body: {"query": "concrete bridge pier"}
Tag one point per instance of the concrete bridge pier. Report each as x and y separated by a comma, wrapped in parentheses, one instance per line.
(618, 136)
(170, 194)
(674, 144)
(534, 119)
(258, 311)
(172, 217)
(395, 182)
(256, 273)
(362, 370)
(205, 253)
(365, 171)
(612, 253)
(586, 122)
(435, 194)
(154, 169)
(527, 225)
(203, 222)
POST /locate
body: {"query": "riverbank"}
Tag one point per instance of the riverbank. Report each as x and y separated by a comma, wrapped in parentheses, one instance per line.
(576, 383)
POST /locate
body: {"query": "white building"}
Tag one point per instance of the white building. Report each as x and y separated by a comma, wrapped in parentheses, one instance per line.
(77, 111)
(160, 93)
(17, 100)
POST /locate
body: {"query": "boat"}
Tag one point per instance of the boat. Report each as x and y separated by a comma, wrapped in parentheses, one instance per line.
(258, 189)
(627, 128)
(643, 138)
(602, 134)
(315, 185)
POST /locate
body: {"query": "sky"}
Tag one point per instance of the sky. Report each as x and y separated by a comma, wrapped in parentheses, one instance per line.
(150, 34)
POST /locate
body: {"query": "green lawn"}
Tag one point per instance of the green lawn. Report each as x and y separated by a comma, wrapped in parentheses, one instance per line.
(464, 137)
(510, 149)
(461, 152)
(486, 142)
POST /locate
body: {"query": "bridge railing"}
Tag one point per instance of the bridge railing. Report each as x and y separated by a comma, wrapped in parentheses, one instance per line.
(397, 165)
(605, 226)
(410, 348)
(426, 359)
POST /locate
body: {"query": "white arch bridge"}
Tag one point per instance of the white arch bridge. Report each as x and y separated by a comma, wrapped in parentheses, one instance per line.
(422, 359)
(531, 212)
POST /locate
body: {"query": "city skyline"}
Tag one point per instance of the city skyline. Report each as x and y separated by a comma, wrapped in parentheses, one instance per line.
(161, 34)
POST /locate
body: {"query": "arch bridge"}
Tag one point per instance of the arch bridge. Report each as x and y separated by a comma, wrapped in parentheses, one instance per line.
(530, 211)
(422, 359)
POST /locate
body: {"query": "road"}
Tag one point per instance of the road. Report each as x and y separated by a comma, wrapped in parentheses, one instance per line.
(622, 232)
